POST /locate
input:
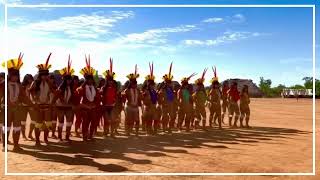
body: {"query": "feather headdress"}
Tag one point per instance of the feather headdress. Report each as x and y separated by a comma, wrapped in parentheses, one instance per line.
(215, 78)
(14, 63)
(201, 80)
(109, 74)
(169, 76)
(67, 71)
(186, 79)
(135, 75)
(88, 70)
(151, 76)
(44, 68)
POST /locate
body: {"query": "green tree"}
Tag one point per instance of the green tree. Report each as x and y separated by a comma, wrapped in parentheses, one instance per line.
(308, 82)
(265, 86)
(297, 86)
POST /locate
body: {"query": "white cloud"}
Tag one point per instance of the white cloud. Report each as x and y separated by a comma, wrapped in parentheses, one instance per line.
(213, 20)
(81, 26)
(238, 18)
(227, 37)
(155, 36)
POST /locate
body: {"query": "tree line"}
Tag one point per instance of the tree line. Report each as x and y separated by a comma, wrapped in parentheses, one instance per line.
(265, 86)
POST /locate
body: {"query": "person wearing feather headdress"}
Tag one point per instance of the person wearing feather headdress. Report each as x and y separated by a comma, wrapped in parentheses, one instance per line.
(16, 99)
(109, 97)
(90, 101)
(200, 99)
(233, 98)
(2, 96)
(150, 102)
(244, 106)
(41, 89)
(185, 103)
(167, 99)
(132, 97)
(215, 99)
(63, 100)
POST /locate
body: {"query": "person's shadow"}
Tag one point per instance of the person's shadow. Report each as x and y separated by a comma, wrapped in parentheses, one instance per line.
(85, 153)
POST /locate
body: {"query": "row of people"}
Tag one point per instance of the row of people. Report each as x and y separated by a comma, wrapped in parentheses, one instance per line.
(160, 105)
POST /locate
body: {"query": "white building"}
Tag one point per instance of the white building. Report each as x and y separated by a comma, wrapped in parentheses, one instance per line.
(297, 92)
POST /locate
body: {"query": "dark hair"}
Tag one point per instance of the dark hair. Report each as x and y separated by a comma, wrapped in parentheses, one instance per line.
(245, 89)
(102, 83)
(75, 78)
(63, 86)
(26, 78)
(2, 74)
(146, 84)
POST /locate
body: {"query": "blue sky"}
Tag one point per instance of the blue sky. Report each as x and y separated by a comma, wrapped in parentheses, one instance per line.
(275, 43)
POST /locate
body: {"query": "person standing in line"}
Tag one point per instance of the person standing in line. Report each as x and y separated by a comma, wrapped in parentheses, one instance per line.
(185, 103)
(63, 100)
(40, 90)
(133, 98)
(109, 97)
(200, 99)
(16, 100)
(150, 102)
(215, 99)
(76, 102)
(89, 101)
(26, 84)
(233, 98)
(167, 101)
(244, 106)
(225, 103)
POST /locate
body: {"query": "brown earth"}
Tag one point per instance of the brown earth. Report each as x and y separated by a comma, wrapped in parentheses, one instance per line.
(280, 141)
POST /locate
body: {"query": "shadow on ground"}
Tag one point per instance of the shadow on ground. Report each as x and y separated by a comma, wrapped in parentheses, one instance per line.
(80, 153)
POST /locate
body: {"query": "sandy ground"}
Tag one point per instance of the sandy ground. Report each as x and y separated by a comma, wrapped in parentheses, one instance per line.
(280, 141)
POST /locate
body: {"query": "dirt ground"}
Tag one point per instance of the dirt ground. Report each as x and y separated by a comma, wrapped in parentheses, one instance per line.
(280, 141)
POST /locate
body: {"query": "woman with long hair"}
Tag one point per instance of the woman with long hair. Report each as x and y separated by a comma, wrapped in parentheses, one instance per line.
(53, 116)
(26, 84)
(244, 106)
(76, 102)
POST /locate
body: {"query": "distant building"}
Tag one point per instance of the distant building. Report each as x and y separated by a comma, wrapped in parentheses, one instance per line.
(254, 90)
(290, 93)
